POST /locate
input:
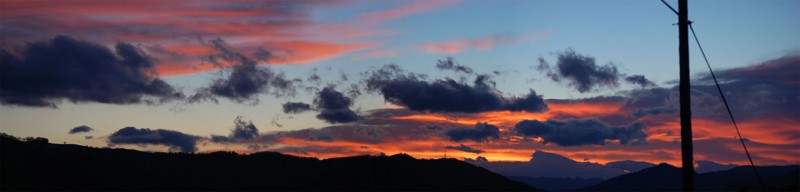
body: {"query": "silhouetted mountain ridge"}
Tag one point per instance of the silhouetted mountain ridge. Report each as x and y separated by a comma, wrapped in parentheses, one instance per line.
(43, 166)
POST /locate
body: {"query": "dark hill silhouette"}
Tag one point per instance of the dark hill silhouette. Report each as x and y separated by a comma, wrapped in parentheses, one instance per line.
(780, 178)
(558, 184)
(43, 166)
(665, 177)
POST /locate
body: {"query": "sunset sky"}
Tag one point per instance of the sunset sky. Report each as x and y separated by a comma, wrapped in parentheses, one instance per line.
(590, 80)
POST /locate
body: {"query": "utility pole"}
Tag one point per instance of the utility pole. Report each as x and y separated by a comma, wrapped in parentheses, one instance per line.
(684, 89)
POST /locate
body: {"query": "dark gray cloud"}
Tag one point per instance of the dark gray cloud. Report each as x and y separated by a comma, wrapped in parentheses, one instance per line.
(319, 135)
(768, 90)
(641, 112)
(296, 107)
(446, 95)
(639, 80)
(334, 107)
(578, 132)
(634, 104)
(531, 102)
(433, 127)
(449, 64)
(651, 98)
(329, 98)
(246, 80)
(242, 131)
(144, 136)
(354, 90)
(581, 72)
(465, 148)
(338, 116)
(481, 132)
(41, 74)
(757, 92)
(80, 129)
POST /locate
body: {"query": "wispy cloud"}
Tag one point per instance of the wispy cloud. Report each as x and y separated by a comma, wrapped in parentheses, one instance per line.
(480, 44)
(378, 53)
(278, 26)
(409, 9)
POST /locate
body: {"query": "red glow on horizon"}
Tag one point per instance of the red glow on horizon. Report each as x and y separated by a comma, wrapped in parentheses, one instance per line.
(579, 109)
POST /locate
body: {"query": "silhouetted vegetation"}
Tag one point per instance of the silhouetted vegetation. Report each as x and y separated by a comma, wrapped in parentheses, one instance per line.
(37, 165)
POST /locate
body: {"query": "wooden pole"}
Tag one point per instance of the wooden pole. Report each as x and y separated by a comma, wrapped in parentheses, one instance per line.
(685, 105)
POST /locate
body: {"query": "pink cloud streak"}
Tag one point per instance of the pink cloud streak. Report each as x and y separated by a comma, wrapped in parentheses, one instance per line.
(410, 9)
(482, 44)
(291, 33)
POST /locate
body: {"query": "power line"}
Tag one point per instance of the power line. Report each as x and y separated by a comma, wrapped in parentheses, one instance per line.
(730, 114)
(670, 7)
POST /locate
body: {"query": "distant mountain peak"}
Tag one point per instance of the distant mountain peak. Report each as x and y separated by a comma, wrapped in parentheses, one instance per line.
(545, 157)
(661, 166)
(402, 156)
(705, 166)
(629, 165)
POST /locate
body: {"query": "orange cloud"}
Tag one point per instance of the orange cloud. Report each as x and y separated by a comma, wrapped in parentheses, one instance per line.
(409, 134)
(773, 141)
(772, 131)
(509, 118)
(422, 135)
(286, 52)
(294, 52)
